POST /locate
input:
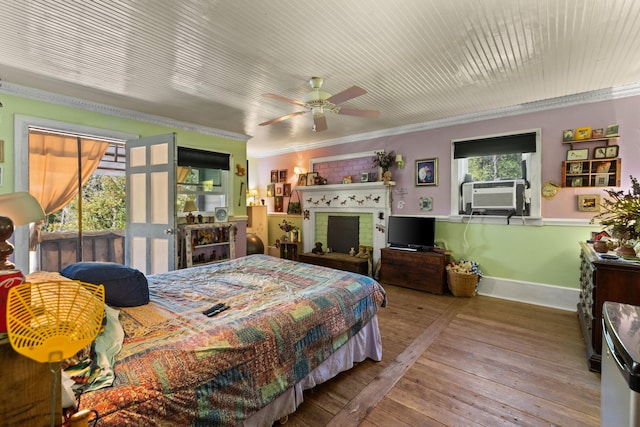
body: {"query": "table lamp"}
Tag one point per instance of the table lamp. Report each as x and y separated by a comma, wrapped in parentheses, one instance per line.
(15, 209)
(252, 194)
(190, 206)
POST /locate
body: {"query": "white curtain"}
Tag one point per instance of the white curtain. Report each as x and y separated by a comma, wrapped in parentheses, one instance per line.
(54, 167)
(55, 163)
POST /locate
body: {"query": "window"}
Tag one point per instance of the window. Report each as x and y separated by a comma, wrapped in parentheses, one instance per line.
(26, 260)
(203, 177)
(501, 162)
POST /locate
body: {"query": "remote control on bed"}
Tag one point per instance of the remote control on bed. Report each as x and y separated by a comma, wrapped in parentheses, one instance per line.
(219, 310)
(214, 308)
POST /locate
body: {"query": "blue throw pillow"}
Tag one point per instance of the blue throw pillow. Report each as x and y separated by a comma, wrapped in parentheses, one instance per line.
(123, 286)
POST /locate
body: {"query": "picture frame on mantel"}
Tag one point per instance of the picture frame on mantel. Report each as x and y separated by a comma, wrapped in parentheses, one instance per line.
(311, 178)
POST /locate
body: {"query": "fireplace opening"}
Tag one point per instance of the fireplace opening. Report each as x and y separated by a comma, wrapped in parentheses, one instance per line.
(343, 233)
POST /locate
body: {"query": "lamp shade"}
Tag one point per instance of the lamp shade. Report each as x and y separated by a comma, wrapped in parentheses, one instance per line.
(189, 206)
(21, 207)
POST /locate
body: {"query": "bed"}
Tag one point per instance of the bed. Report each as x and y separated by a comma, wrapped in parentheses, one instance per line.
(290, 326)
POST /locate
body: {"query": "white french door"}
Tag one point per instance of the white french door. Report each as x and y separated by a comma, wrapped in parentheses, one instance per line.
(150, 244)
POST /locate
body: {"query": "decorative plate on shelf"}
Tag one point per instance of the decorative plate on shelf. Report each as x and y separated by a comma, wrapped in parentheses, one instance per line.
(221, 215)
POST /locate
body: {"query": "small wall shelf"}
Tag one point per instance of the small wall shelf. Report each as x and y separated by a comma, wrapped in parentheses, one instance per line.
(592, 173)
(579, 141)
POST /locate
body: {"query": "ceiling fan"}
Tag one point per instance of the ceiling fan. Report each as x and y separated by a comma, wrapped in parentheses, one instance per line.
(319, 102)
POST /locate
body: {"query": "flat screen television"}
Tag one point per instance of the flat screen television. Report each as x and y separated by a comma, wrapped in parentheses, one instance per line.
(411, 232)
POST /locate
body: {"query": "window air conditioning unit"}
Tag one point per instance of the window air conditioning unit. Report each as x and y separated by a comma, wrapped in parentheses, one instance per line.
(502, 197)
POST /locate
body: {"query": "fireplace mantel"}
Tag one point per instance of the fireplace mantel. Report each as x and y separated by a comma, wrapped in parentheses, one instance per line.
(367, 197)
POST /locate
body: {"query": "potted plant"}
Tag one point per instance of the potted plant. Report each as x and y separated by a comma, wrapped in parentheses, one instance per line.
(620, 216)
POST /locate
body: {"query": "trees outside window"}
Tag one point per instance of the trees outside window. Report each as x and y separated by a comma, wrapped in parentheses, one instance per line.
(103, 205)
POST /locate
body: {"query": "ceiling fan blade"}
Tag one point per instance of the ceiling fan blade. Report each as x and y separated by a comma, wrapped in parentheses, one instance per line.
(346, 95)
(357, 112)
(282, 98)
(279, 119)
(319, 123)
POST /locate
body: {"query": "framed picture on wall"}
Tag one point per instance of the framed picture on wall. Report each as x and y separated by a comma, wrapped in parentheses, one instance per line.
(612, 130)
(427, 172)
(274, 176)
(601, 180)
(583, 133)
(580, 154)
(575, 168)
(286, 190)
(426, 203)
(611, 152)
(600, 152)
(567, 135)
(283, 176)
(271, 190)
(278, 204)
(589, 203)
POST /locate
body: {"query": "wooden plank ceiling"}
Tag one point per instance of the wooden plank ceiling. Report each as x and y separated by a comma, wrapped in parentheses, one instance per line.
(210, 62)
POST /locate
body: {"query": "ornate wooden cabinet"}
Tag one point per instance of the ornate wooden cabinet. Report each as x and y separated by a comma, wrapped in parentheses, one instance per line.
(603, 280)
(424, 271)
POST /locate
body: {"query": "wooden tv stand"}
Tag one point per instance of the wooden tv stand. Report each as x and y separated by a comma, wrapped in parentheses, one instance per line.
(424, 271)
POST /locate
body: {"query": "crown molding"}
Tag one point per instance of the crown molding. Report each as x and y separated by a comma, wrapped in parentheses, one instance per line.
(531, 107)
(95, 107)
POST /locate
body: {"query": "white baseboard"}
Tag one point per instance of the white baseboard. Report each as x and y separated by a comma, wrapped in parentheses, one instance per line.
(531, 293)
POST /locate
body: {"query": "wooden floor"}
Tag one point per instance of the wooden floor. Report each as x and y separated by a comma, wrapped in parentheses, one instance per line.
(476, 361)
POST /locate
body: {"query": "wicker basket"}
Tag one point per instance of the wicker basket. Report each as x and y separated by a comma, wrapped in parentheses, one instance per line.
(461, 284)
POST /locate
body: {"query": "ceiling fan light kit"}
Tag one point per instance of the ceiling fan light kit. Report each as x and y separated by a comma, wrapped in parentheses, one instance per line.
(318, 102)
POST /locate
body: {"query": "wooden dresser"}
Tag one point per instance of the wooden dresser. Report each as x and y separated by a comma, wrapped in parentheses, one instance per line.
(25, 390)
(600, 281)
(424, 271)
(338, 261)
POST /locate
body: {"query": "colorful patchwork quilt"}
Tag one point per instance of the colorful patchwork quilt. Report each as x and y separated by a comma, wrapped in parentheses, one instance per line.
(179, 367)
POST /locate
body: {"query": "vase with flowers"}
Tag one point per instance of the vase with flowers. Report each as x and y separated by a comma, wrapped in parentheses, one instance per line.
(620, 216)
(292, 230)
(384, 161)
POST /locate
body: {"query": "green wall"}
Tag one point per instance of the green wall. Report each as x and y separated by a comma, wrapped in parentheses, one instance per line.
(545, 254)
(274, 221)
(16, 105)
(540, 254)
